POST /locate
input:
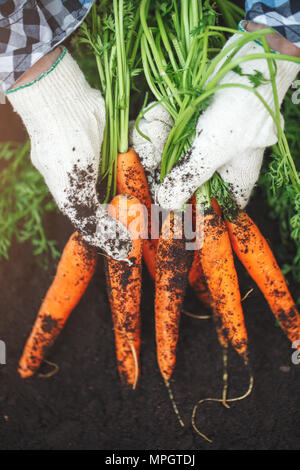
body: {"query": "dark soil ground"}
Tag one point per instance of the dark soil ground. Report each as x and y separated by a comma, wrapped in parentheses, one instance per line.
(84, 406)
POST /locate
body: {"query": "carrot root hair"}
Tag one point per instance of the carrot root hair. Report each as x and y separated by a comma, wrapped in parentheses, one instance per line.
(224, 400)
(173, 402)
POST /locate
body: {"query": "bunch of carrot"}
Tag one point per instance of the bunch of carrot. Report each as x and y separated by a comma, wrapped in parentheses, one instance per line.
(178, 57)
(236, 232)
(116, 55)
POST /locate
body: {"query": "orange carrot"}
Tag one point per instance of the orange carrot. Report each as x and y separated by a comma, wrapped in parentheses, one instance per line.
(198, 282)
(124, 290)
(74, 272)
(254, 252)
(149, 255)
(196, 275)
(215, 206)
(218, 266)
(172, 267)
(132, 180)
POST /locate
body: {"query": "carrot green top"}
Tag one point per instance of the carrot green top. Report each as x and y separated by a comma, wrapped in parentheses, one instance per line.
(112, 31)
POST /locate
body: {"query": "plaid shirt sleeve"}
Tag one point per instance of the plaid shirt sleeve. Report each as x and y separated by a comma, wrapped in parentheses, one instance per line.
(281, 15)
(31, 29)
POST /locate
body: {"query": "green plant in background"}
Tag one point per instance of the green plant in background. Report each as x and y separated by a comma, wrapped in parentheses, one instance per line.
(231, 13)
(24, 201)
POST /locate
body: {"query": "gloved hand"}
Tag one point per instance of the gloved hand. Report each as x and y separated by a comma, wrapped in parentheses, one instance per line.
(65, 119)
(155, 124)
(231, 135)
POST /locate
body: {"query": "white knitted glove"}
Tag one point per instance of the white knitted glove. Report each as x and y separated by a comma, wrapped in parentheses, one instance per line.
(231, 135)
(65, 119)
(155, 124)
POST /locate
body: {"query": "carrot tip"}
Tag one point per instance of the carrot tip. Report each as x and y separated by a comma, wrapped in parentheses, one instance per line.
(25, 373)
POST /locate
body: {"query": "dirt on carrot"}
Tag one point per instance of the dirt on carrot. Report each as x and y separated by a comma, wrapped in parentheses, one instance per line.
(198, 282)
(132, 180)
(218, 266)
(254, 252)
(124, 290)
(172, 267)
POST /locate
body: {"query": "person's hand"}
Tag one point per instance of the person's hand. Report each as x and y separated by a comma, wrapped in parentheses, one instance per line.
(156, 124)
(65, 119)
(231, 135)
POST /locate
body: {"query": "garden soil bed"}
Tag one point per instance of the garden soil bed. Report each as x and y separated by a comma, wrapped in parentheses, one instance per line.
(84, 406)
